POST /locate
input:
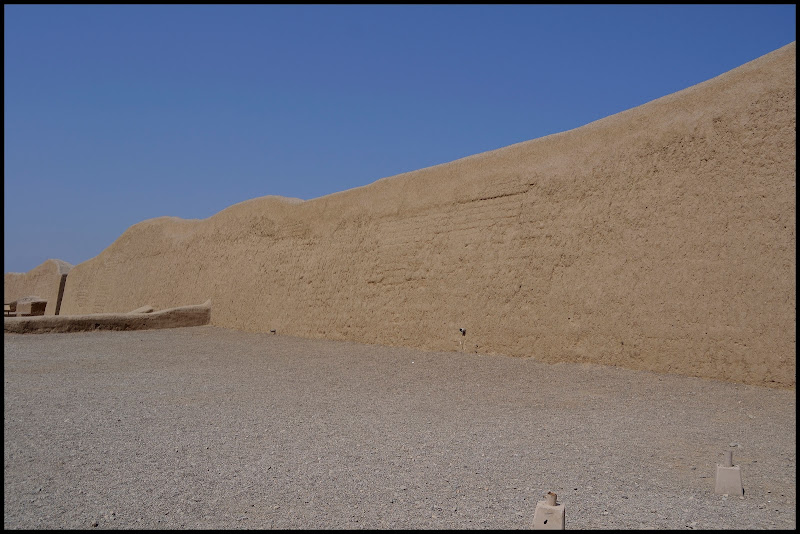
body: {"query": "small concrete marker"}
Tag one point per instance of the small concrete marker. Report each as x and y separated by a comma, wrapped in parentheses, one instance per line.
(549, 515)
(729, 477)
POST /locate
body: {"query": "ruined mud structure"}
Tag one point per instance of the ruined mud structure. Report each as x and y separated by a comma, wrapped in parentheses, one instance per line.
(47, 281)
(661, 238)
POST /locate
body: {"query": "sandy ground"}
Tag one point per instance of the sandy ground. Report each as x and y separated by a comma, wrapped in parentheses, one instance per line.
(205, 427)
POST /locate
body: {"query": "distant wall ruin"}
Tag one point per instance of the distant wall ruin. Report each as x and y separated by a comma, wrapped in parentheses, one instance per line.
(46, 281)
(661, 238)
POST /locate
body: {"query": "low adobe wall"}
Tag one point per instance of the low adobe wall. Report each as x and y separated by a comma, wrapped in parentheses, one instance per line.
(172, 318)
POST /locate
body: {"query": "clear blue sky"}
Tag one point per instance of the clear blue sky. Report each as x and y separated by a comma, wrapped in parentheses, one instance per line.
(119, 113)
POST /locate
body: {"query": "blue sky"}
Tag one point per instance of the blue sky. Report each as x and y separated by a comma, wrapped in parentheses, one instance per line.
(119, 113)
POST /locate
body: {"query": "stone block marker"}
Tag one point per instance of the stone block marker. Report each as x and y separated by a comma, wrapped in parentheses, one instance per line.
(31, 306)
(729, 477)
(549, 515)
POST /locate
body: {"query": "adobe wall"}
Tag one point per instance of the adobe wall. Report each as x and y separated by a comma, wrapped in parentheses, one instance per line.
(661, 238)
(45, 281)
(197, 315)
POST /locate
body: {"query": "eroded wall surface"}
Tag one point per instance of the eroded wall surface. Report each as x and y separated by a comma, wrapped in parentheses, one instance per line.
(661, 238)
(45, 281)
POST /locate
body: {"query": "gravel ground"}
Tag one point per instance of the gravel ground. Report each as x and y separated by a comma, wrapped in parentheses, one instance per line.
(204, 427)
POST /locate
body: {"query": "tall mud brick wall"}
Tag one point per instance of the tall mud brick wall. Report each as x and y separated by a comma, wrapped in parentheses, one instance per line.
(661, 238)
(46, 281)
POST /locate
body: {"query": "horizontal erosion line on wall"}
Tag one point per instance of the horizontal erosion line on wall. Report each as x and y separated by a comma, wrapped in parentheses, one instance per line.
(467, 201)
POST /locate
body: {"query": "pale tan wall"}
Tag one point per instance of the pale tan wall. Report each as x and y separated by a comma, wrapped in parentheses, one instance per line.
(43, 281)
(661, 238)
